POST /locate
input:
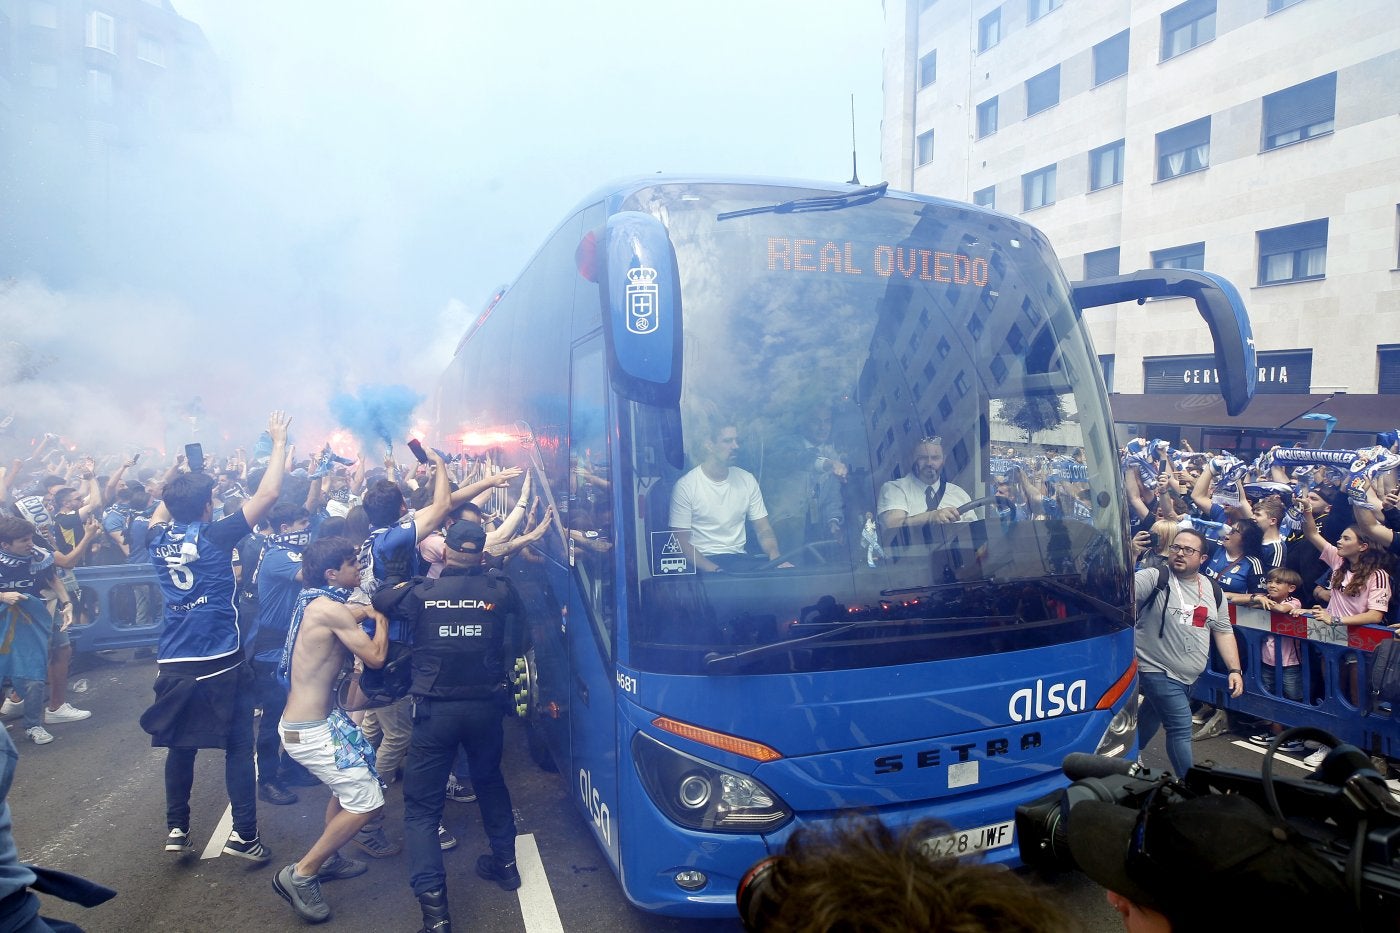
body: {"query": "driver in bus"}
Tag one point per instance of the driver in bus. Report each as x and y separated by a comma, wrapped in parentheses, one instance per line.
(713, 502)
(922, 497)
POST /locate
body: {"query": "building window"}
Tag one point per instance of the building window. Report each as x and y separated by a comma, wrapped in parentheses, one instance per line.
(1106, 166)
(928, 69)
(923, 147)
(985, 197)
(1300, 112)
(1101, 264)
(1035, 9)
(99, 87)
(1043, 91)
(1038, 188)
(1191, 256)
(1186, 26)
(43, 74)
(1106, 364)
(1111, 58)
(101, 32)
(1183, 149)
(150, 49)
(1388, 355)
(986, 118)
(989, 30)
(1293, 254)
(43, 13)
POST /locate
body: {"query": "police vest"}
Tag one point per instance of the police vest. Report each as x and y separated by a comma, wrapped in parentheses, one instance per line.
(460, 634)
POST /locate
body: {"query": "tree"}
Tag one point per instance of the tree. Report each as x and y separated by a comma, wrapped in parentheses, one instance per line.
(1033, 414)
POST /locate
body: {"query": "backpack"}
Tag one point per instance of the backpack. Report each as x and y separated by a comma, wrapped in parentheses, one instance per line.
(1385, 675)
(372, 688)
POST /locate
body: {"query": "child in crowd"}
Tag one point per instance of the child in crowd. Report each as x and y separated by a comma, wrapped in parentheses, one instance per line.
(1279, 587)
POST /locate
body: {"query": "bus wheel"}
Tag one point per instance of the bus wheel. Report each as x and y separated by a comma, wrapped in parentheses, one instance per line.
(539, 750)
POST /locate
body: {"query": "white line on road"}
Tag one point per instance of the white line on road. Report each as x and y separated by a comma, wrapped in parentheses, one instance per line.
(215, 846)
(536, 899)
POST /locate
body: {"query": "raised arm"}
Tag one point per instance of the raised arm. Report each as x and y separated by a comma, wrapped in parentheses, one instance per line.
(1310, 531)
(467, 493)
(1200, 493)
(262, 501)
(428, 519)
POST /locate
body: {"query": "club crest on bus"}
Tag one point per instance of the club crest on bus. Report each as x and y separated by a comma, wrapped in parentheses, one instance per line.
(1042, 702)
(641, 297)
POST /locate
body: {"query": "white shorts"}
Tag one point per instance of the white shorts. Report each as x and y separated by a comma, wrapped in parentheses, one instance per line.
(309, 745)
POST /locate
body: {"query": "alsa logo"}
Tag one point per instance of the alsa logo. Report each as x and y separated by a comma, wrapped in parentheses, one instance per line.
(1042, 702)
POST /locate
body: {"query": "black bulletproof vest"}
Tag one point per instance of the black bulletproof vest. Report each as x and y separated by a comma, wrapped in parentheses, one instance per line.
(459, 637)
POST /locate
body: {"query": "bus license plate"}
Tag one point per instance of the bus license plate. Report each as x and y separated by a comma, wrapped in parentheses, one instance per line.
(994, 836)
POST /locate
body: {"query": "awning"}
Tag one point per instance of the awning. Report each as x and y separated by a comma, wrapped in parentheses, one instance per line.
(1355, 414)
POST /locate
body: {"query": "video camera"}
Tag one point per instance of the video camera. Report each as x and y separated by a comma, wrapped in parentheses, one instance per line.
(1344, 813)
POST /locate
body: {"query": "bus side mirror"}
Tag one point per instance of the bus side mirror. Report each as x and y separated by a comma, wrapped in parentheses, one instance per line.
(1217, 300)
(642, 309)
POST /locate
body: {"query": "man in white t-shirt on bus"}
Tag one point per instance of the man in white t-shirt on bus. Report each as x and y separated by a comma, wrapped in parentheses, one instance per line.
(713, 503)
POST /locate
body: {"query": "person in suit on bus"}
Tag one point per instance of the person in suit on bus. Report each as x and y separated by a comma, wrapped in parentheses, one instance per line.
(923, 497)
(714, 501)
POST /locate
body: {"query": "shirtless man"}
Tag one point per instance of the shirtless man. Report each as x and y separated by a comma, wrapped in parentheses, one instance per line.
(325, 630)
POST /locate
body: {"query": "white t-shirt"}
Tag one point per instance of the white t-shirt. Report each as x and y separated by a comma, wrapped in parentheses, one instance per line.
(715, 512)
(907, 494)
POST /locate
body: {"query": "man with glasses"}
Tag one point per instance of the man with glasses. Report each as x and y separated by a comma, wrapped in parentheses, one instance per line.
(1179, 612)
(922, 497)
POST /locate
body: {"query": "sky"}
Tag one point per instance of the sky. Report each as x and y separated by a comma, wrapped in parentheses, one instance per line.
(384, 171)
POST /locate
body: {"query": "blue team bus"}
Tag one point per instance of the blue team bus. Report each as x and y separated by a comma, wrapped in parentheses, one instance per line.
(700, 718)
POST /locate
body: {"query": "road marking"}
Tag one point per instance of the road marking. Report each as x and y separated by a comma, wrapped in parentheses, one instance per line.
(536, 899)
(215, 846)
(1280, 757)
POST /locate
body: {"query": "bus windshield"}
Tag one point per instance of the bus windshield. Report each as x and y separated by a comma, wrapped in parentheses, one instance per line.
(902, 400)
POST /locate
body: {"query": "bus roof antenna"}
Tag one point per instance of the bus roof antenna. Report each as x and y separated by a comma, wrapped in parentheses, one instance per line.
(855, 179)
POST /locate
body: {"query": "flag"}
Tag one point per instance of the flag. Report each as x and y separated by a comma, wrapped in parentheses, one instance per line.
(24, 639)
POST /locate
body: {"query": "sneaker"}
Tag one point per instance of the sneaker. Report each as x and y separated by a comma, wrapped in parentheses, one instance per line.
(1261, 738)
(11, 706)
(503, 873)
(251, 849)
(1315, 759)
(1203, 713)
(66, 713)
(275, 794)
(179, 841)
(462, 793)
(376, 844)
(304, 896)
(1212, 727)
(38, 735)
(338, 868)
(446, 841)
(1293, 746)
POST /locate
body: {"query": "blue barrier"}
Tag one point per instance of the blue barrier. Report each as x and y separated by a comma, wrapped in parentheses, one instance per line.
(121, 605)
(1336, 669)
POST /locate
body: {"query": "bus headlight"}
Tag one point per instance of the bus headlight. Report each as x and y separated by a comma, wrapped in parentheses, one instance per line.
(699, 795)
(1122, 729)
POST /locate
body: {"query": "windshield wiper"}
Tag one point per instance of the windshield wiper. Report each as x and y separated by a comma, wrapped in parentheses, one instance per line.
(830, 202)
(741, 658)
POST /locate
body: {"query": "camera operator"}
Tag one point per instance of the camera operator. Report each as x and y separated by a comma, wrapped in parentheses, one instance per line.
(1156, 860)
(1176, 608)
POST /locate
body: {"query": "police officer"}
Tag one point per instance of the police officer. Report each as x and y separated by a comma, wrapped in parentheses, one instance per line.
(466, 630)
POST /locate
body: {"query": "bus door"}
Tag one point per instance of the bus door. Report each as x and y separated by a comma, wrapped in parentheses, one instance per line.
(590, 627)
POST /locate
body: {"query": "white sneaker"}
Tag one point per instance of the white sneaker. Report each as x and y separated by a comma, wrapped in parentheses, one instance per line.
(1315, 759)
(11, 706)
(66, 713)
(38, 735)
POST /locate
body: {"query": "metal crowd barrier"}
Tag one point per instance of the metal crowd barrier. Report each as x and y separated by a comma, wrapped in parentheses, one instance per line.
(121, 607)
(1336, 668)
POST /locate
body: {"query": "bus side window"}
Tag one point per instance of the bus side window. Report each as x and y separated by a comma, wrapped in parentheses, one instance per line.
(590, 499)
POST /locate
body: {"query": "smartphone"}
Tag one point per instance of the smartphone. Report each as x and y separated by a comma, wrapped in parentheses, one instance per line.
(416, 446)
(1153, 540)
(194, 456)
(136, 457)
